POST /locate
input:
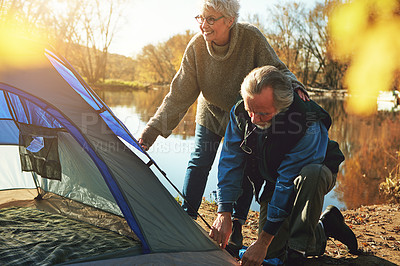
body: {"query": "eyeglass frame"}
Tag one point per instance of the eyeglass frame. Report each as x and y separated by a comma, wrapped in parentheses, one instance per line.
(207, 19)
(243, 145)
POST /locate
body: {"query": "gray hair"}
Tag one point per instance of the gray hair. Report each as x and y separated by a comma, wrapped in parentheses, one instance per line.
(268, 76)
(228, 8)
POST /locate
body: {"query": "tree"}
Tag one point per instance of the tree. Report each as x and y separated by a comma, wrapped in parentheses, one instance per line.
(161, 62)
(120, 67)
(25, 14)
(257, 21)
(98, 24)
(317, 43)
(81, 30)
(286, 37)
(151, 67)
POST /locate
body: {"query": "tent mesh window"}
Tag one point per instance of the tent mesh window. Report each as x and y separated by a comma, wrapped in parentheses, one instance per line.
(38, 149)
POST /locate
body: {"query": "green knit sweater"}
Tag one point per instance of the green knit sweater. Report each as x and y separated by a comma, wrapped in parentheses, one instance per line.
(214, 74)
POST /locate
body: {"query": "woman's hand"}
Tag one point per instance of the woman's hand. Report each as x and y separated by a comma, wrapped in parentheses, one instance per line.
(143, 144)
(302, 93)
(148, 136)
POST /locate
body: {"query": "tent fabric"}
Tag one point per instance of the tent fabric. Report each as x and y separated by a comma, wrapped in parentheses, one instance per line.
(220, 258)
(74, 108)
(82, 88)
(9, 134)
(98, 169)
(75, 164)
(11, 176)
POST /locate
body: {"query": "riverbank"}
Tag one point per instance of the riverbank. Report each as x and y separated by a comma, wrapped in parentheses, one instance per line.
(376, 227)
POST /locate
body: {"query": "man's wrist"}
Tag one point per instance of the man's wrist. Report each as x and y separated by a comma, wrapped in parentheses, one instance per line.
(225, 207)
(226, 215)
(272, 227)
(265, 239)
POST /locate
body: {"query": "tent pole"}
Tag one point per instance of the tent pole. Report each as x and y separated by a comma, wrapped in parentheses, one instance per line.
(34, 176)
(152, 162)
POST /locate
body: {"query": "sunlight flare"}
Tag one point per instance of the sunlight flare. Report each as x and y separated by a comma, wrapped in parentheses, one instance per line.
(19, 46)
(364, 32)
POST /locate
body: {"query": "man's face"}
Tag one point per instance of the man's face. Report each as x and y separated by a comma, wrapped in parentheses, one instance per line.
(260, 108)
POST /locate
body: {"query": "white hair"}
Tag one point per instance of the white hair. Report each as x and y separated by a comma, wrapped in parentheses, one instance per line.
(268, 76)
(228, 8)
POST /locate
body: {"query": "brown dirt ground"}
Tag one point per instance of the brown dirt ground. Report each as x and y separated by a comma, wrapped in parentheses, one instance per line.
(376, 227)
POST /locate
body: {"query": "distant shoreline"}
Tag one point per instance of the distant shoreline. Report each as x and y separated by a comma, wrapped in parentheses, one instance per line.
(147, 87)
(325, 92)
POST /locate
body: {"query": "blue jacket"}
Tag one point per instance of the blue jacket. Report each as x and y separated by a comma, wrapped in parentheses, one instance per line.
(310, 149)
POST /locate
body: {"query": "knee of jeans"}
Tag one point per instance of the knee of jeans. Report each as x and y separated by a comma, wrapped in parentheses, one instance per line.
(309, 173)
(313, 174)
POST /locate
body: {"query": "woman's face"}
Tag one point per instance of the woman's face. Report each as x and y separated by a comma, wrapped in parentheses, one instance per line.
(219, 31)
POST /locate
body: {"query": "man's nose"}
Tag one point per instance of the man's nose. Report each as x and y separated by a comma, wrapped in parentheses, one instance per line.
(254, 118)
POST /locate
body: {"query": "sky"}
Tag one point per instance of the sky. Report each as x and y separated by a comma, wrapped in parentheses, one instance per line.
(153, 21)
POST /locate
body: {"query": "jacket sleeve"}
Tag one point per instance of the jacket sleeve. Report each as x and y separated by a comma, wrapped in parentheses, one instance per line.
(311, 149)
(231, 167)
(183, 93)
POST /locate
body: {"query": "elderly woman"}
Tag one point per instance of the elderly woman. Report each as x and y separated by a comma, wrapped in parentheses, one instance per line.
(215, 62)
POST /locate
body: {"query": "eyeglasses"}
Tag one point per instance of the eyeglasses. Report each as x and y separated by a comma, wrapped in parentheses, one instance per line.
(210, 20)
(243, 145)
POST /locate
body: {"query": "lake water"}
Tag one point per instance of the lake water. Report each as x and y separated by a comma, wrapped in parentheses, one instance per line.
(370, 145)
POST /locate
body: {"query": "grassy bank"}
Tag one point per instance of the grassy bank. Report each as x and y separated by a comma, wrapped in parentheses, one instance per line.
(119, 85)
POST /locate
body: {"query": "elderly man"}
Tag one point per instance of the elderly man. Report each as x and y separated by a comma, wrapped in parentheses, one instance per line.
(214, 64)
(281, 144)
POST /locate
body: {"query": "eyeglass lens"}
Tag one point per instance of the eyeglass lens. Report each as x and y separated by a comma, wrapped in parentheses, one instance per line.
(210, 20)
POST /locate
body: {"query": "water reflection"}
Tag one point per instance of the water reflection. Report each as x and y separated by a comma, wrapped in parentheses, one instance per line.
(370, 144)
(146, 104)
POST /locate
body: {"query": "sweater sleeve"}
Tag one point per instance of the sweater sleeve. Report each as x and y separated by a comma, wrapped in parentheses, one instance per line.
(184, 91)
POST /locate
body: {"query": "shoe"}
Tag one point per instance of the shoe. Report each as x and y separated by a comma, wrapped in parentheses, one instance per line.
(235, 242)
(295, 258)
(335, 227)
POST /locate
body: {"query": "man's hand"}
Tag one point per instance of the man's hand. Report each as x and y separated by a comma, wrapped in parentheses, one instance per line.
(222, 229)
(256, 253)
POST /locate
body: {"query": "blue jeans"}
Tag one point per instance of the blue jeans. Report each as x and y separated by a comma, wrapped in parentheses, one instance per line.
(199, 166)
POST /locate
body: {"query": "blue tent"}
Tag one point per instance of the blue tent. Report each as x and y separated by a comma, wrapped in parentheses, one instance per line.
(60, 139)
